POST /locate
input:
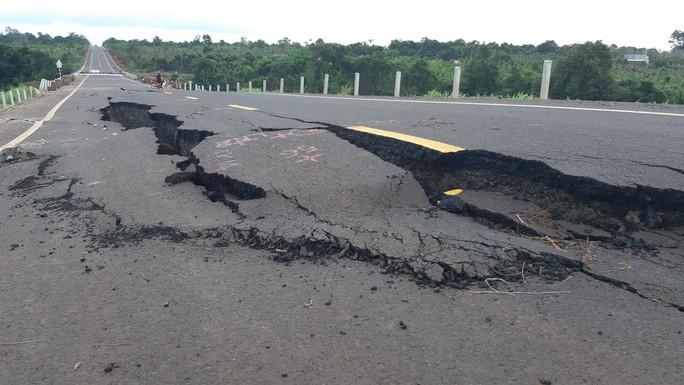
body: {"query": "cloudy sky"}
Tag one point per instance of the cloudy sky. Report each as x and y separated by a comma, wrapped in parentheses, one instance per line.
(627, 22)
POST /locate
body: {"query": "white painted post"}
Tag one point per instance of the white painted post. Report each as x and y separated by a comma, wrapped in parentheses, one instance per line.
(18, 97)
(227, 87)
(31, 91)
(4, 102)
(250, 86)
(546, 80)
(24, 92)
(11, 99)
(456, 87)
(282, 85)
(397, 84)
(190, 85)
(238, 87)
(301, 84)
(218, 88)
(357, 77)
(209, 87)
(263, 86)
(196, 87)
(326, 80)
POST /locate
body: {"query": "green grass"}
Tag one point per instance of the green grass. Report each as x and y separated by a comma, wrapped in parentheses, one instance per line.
(345, 89)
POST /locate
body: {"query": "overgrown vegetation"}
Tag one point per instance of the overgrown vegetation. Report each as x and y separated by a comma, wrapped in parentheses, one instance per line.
(24, 56)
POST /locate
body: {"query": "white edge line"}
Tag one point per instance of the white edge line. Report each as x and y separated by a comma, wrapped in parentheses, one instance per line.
(480, 104)
(90, 69)
(14, 142)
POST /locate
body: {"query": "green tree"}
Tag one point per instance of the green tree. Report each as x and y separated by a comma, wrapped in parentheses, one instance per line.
(677, 39)
(583, 71)
(480, 73)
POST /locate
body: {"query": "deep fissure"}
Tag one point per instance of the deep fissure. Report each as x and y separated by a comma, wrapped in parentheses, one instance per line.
(476, 170)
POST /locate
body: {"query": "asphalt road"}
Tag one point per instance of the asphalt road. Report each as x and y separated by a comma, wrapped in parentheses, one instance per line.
(98, 61)
(307, 253)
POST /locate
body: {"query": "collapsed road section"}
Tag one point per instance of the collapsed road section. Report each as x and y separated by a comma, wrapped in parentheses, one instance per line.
(514, 220)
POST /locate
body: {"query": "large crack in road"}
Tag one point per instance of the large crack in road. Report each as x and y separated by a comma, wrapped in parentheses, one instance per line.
(540, 213)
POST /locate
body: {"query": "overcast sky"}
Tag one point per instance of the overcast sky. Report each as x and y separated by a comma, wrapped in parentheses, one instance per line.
(627, 22)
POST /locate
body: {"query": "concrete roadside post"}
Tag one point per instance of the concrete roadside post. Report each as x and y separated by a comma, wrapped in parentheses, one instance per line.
(227, 87)
(249, 86)
(24, 92)
(202, 87)
(190, 85)
(357, 77)
(456, 87)
(546, 80)
(11, 99)
(209, 87)
(263, 86)
(282, 85)
(326, 79)
(397, 84)
(218, 88)
(4, 102)
(18, 96)
(237, 87)
(31, 92)
(301, 84)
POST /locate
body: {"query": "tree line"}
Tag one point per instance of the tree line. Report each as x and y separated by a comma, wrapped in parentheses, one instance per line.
(589, 71)
(25, 57)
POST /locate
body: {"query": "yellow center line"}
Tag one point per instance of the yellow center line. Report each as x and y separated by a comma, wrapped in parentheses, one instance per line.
(454, 192)
(428, 143)
(243, 107)
(191, 98)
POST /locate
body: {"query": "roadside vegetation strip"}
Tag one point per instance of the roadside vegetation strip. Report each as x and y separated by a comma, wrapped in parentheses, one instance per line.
(239, 107)
(16, 141)
(428, 143)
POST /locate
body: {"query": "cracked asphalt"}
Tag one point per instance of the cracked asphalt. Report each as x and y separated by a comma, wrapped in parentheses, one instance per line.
(304, 254)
